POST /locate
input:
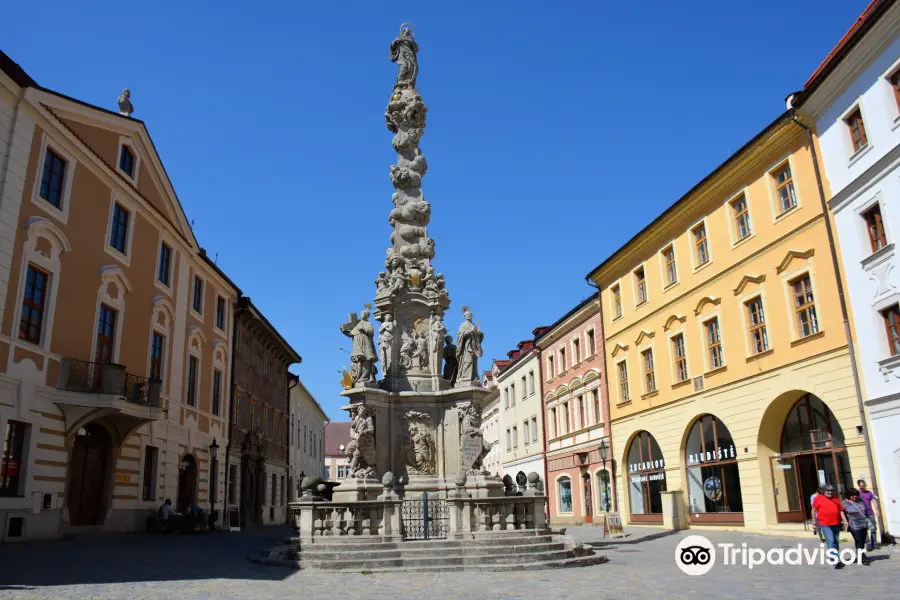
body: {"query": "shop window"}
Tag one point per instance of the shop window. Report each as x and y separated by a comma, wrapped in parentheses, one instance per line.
(564, 491)
(713, 482)
(11, 463)
(604, 490)
(646, 479)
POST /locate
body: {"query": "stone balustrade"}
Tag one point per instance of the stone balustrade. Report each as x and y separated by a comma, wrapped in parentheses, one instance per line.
(319, 518)
(472, 516)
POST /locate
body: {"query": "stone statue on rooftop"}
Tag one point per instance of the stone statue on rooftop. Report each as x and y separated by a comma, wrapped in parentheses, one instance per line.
(125, 106)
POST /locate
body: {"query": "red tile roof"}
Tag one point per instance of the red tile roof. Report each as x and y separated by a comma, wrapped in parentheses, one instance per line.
(832, 58)
(336, 433)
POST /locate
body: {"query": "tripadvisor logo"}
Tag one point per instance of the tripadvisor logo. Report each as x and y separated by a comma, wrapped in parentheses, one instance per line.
(696, 555)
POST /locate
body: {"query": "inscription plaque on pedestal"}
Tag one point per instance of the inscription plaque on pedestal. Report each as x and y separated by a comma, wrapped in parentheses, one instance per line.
(470, 448)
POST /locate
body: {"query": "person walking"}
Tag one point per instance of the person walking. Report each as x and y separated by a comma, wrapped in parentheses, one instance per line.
(871, 501)
(855, 512)
(828, 513)
(817, 531)
(163, 514)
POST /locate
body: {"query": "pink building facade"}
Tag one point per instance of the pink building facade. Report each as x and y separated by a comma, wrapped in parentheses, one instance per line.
(576, 417)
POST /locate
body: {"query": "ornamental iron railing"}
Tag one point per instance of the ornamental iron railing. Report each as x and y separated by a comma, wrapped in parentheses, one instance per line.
(108, 379)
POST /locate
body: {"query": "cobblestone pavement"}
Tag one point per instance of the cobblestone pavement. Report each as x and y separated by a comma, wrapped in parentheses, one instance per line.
(216, 566)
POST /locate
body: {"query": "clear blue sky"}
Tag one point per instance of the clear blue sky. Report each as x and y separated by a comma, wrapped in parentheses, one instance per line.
(556, 130)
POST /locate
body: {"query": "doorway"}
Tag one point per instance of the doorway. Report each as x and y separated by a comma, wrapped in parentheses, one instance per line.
(88, 482)
(187, 484)
(588, 498)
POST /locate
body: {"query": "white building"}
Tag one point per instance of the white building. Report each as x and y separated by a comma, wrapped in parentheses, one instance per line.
(336, 464)
(490, 420)
(522, 436)
(307, 435)
(853, 103)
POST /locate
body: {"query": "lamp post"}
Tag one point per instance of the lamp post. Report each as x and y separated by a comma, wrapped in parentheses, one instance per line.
(214, 479)
(604, 454)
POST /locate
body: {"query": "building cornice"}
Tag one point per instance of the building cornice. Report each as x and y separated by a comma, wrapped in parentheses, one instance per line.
(712, 189)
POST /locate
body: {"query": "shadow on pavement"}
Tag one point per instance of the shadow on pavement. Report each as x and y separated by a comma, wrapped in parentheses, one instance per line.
(605, 543)
(140, 557)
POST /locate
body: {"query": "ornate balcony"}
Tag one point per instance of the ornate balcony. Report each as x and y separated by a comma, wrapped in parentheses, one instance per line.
(87, 391)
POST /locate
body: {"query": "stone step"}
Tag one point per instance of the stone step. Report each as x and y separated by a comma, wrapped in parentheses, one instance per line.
(371, 564)
(419, 551)
(583, 561)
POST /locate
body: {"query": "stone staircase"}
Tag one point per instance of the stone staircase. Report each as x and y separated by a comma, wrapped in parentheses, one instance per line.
(514, 551)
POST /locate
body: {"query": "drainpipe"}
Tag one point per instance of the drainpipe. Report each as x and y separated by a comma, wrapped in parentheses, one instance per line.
(230, 409)
(844, 314)
(291, 385)
(602, 346)
(544, 420)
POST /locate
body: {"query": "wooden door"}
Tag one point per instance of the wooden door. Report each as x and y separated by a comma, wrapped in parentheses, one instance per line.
(588, 499)
(87, 486)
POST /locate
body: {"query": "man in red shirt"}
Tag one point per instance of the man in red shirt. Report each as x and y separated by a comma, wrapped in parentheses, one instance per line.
(828, 513)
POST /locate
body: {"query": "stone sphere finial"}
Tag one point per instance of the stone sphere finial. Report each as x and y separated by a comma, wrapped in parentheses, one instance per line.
(533, 478)
(387, 480)
(461, 479)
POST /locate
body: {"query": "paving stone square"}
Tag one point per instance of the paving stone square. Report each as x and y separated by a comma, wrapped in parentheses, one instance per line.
(216, 566)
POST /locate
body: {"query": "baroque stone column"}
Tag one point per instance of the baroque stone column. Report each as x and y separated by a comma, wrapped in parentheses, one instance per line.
(410, 297)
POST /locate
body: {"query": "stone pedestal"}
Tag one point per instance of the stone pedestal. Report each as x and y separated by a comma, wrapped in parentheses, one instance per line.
(674, 514)
(418, 439)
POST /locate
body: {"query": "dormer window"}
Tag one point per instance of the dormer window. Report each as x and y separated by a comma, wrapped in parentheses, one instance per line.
(126, 161)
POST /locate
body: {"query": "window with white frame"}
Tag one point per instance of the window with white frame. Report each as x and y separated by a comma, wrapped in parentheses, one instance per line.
(741, 215)
(649, 371)
(756, 320)
(512, 394)
(714, 344)
(616, 301)
(804, 306)
(701, 244)
(508, 439)
(525, 438)
(680, 354)
(622, 371)
(875, 227)
(640, 286)
(671, 271)
(531, 383)
(534, 430)
(784, 187)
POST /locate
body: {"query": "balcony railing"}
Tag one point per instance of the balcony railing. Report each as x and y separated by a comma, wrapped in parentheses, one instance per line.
(110, 379)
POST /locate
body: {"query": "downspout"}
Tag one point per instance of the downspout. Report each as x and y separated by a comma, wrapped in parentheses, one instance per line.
(544, 420)
(291, 385)
(844, 314)
(230, 408)
(602, 349)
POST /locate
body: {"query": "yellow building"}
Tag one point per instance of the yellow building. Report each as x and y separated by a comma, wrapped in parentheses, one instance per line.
(730, 384)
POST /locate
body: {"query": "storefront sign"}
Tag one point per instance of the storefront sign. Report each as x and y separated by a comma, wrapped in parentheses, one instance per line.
(699, 458)
(783, 466)
(650, 477)
(650, 465)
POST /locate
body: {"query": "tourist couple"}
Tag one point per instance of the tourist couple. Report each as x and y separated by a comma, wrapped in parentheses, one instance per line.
(856, 513)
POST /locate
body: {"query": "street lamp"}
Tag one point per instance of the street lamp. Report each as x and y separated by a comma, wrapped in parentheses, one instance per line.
(214, 467)
(604, 452)
(604, 455)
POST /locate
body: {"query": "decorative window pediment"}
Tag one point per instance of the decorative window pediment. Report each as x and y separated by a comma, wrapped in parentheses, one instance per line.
(672, 320)
(715, 301)
(791, 255)
(619, 348)
(644, 335)
(746, 280)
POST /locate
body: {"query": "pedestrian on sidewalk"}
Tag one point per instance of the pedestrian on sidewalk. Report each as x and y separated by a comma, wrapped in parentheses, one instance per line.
(871, 501)
(855, 511)
(828, 513)
(163, 514)
(817, 531)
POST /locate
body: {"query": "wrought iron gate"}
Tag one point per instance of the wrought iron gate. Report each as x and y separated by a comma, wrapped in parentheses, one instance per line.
(425, 518)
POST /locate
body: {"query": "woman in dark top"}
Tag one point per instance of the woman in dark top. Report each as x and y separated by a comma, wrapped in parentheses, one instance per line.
(855, 509)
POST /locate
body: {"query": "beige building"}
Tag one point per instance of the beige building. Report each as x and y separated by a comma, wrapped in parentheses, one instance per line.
(115, 327)
(307, 424)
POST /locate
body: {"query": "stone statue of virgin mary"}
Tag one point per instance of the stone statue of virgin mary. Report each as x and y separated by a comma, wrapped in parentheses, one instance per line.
(403, 52)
